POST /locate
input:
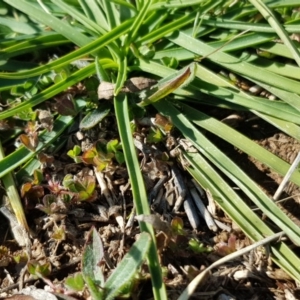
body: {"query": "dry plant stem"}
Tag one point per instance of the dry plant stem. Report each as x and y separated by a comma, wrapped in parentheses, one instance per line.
(13, 196)
(157, 188)
(130, 221)
(19, 232)
(199, 188)
(287, 177)
(203, 211)
(180, 186)
(21, 236)
(196, 281)
(103, 187)
(223, 226)
(218, 49)
(190, 210)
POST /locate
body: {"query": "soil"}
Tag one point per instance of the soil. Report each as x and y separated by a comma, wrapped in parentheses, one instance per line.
(252, 276)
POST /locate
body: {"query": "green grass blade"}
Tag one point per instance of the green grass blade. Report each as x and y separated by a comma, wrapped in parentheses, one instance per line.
(169, 28)
(138, 20)
(56, 24)
(233, 63)
(122, 74)
(96, 12)
(257, 27)
(287, 70)
(243, 42)
(33, 44)
(175, 4)
(217, 86)
(92, 47)
(49, 92)
(81, 18)
(12, 194)
(111, 14)
(138, 191)
(128, 266)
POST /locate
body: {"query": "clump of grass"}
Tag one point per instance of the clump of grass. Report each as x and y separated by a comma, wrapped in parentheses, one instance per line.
(71, 46)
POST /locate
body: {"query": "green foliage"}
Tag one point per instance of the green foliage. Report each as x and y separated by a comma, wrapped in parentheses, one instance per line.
(91, 270)
(75, 282)
(115, 40)
(74, 153)
(101, 155)
(199, 247)
(83, 189)
(95, 116)
(120, 281)
(38, 269)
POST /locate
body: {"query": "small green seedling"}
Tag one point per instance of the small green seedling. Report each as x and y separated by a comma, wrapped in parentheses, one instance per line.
(118, 282)
(83, 189)
(101, 155)
(74, 153)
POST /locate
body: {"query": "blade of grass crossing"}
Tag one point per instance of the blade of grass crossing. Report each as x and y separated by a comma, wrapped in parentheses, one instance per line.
(121, 74)
(234, 206)
(270, 17)
(238, 140)
(56, 24)
(111, 14)
(218, 158)
(232, 63)
(81, 18)
(140, 17)
(90, 48)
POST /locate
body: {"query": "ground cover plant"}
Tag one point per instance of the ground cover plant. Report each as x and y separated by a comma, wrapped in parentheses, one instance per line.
(119, 117)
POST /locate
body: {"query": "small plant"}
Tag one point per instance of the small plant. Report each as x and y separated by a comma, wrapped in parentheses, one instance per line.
(119, 282)
(101, 155)
(74, 153)
(81, 189)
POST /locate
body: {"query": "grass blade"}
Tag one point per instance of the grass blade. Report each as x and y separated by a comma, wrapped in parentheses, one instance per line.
(128, 266)
(138, 191)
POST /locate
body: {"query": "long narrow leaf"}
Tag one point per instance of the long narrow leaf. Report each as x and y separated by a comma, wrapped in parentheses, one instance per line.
(138, 191)
(128, 266)
(240, 141)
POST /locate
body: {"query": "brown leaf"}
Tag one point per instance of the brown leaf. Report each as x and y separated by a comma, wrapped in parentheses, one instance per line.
(30, 141)
(46, 119)
(156, 222)
(106, 90)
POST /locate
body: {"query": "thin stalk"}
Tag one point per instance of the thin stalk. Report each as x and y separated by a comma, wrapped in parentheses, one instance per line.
(138, 191)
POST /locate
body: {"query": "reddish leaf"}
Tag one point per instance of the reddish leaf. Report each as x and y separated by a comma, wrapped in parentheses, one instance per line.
(65, 105)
